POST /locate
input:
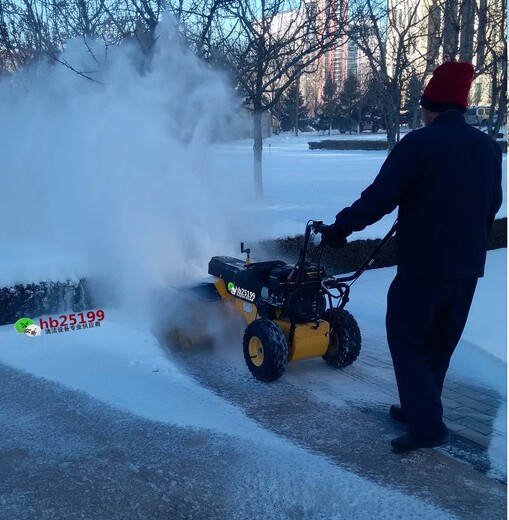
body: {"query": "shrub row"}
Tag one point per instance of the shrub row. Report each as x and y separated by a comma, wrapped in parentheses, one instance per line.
(37, 299)
(364, 145)
(348, 145)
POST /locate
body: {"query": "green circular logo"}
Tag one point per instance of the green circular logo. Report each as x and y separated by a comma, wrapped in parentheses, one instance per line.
(22, 324)
(231, 287)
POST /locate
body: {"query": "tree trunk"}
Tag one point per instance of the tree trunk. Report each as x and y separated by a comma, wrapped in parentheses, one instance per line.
(392, 117)
(481, 34)
(415, 115)
(467, 31)
(434, 35)
(501, 85)
(257, 152)
(498, 97)
(450, 29)
(296, 119)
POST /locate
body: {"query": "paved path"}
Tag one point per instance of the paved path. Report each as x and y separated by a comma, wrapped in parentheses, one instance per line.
(65, 456)
(356, 434)
(469, 409)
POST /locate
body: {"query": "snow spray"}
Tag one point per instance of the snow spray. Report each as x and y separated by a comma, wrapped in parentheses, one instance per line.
(113, 166)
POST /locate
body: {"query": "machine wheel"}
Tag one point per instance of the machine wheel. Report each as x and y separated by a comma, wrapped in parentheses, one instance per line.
(265, 350)
(344, 340)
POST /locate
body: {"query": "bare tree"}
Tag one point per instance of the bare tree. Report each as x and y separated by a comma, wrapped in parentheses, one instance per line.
(34, 30)
(267, 45)
(495, 66)
(475, 31)
(387, 33)
(404, 41)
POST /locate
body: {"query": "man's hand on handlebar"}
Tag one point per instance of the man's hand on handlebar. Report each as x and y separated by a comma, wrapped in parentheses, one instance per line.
(333, 236)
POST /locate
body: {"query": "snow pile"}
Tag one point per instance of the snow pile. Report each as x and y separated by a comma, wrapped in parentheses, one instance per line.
(489, 312)
(114, 172)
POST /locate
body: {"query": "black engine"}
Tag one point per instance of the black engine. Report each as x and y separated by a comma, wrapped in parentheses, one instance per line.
(276, 288)
(304, 305)
(302, 301)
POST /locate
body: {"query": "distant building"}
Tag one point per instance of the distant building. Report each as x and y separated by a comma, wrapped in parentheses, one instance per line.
(336, 63)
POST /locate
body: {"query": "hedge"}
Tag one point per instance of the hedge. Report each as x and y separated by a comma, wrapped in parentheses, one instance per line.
(37, 299)
(348, 145)
(365, 145)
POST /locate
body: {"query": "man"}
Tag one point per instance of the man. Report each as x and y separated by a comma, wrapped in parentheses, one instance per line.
(446, 180)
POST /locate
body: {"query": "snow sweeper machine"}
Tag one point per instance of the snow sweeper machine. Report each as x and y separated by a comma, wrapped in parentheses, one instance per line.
(292, 312)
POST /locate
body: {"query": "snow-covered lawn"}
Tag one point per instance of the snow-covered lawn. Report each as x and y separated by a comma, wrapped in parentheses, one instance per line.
(301, 184)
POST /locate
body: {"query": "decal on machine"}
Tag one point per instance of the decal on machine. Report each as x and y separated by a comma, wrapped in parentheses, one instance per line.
(239, 292)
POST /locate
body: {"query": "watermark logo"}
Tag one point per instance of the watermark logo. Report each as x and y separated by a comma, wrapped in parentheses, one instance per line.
(75, 321)
(231, 288)
(28, 327)
(33, 330)
(64, 323)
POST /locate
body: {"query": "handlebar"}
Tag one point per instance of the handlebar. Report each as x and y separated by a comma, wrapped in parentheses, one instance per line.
(317, 226)
(312, 226)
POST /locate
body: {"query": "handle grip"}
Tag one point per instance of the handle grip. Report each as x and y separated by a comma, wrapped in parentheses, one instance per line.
(317, 226)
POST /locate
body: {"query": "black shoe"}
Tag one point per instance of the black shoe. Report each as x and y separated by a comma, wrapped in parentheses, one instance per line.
(397, 413)
(411, 442)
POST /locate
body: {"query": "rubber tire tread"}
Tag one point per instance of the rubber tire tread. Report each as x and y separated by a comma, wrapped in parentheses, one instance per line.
(275, 349)
(348, 336)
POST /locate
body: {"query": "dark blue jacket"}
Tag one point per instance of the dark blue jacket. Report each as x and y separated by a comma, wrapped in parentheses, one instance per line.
(446, 179)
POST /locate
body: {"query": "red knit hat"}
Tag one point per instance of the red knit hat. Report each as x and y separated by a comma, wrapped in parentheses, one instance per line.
(448, 88)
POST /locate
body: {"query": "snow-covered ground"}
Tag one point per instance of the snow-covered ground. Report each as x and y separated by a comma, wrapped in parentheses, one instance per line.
(121, 363)
(116, 362)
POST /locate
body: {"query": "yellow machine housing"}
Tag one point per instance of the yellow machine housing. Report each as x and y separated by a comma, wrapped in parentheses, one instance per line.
(309, 339)
(222, 290)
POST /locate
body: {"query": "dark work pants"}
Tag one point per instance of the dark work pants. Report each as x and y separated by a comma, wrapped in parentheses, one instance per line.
(425, 320)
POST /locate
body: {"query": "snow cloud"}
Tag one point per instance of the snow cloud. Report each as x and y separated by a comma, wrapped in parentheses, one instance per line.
(116, 171)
